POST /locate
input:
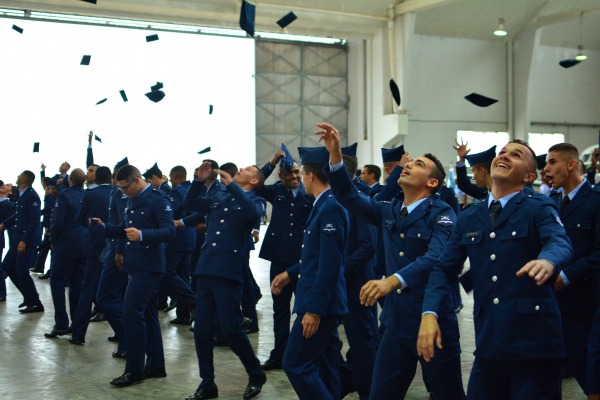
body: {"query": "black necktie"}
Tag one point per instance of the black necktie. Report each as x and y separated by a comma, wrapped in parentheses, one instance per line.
(495, 209)
(403, 213)
(565, 202)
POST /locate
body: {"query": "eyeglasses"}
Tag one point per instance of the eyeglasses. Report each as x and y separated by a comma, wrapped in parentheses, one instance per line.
(126, 187)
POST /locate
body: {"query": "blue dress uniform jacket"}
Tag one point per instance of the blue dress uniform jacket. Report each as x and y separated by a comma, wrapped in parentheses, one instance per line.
(577, 301)
(412, 246)
(49, 203)
(231, 215)
(581, 219)
(284, 235)
(150, 212)
(95, 204)
(321, 287)
(514, 318)
(27, 224)
(185, 238)
(67, 235)
(7, 211)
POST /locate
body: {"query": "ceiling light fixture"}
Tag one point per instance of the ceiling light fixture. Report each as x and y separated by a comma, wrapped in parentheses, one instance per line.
(581, 55)
(501, 31)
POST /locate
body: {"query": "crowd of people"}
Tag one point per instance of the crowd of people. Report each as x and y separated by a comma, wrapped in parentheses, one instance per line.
(342, 246)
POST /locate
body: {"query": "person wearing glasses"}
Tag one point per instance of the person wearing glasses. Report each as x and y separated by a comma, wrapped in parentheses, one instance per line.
(147, 224)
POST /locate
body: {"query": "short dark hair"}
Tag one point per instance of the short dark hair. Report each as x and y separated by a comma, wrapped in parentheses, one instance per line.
(260, 176)
(533, 163)
(230, 168)
(351, 164)
(29, 176)
(375, 170)
(438, 172)
(103, 175)
(179, 171)
(77, 177)
(68, 165)
(213, 163)
(128, 173)
(317, 171)
(46, 181)
(566, 148)
(94, 165)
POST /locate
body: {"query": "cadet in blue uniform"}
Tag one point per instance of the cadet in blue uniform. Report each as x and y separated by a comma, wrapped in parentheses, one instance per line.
(515, 246)
(312, 356)
(415, 228)
(7, 210)
(371, 174)
(576, 283)
(155, 176)
(67, 237)
(95, 204)
(283, 241)
(232, 212)
(360, 324)
(147, 224)
(44, 248)
(28, 234)
(113, 280)
(178, 250)
(480, 166)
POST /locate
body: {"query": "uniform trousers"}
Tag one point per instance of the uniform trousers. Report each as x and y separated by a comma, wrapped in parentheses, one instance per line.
(396, 364)
(515, 380)
(18, 272)
(111, 290)
(219, 299)
(282, 314)
(91, 280)
(140, 323)
(313, 365)
(66, 270)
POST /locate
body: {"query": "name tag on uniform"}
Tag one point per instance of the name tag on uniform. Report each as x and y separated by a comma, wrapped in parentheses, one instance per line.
(473, 234)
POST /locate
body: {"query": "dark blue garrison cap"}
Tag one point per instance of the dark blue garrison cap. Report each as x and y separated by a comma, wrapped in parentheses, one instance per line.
(154, 170)
(482, 157)
(121, 163)
(286, 162)
(314, 155)
(350, 150)
(541, 161)
(390, 155)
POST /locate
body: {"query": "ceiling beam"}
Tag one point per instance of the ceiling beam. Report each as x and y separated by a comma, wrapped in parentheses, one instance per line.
(564, 16)
(409, 6)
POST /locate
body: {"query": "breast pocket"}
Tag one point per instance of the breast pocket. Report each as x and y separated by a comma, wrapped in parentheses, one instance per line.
(514, 232)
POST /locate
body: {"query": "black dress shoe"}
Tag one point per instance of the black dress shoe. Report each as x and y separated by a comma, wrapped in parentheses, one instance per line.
(98, 317)
(155, 373)
(76, 342)
(250, 330)
(204, 393)
(57, 332)
(45, 275)
(271, 364)
(128, 379)
(119, 354)
(2, 299)
(218, 342)
(113, 338)
(32, 309)
(180, 321)
(22, 305)
(254, 387)
(458, 308)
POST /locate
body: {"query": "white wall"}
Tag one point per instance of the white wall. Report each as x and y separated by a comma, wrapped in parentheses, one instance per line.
(436, 73)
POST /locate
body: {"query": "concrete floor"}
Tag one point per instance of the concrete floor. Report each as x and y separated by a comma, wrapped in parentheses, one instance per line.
(32, 366)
